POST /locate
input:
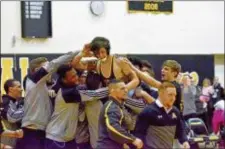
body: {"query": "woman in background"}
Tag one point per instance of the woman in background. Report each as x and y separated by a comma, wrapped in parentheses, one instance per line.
(189, 92)
(207, 91)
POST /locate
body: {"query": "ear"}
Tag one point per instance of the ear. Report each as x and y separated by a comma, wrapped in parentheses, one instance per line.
(36, 69)
(10, 89)
(175, 74)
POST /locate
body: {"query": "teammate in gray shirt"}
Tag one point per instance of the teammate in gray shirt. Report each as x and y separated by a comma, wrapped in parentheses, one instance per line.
(61, 130)
(37, 105)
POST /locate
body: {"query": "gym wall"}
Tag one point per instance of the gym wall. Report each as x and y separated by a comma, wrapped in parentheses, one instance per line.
(194, 27)
(194, 32)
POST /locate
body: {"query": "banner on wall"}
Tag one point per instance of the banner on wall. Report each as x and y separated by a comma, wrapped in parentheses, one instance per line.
(153, 6)
(16, 66)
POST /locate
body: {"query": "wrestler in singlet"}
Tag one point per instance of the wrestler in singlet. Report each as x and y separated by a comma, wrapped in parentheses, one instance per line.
(106, 79)
(109, 66)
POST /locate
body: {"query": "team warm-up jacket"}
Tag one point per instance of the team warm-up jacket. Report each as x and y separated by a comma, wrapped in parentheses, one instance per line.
(112, 129)
(13, 109)
(1, 128)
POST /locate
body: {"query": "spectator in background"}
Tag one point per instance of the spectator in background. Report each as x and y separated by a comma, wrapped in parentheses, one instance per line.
(206, 98)
(13, 109)
(218, 90)
(207, 91)
(218, 116)
(218, 122)
(200, 110)
(189, 98)
(147, 67)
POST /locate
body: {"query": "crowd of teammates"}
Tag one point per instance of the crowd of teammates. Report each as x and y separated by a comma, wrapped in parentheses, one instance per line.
(108, 102)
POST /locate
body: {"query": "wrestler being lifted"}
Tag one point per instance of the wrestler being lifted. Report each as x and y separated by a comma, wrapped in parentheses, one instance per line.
(108, 66)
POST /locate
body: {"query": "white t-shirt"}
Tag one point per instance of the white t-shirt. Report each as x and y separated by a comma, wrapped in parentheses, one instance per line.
(219, 105)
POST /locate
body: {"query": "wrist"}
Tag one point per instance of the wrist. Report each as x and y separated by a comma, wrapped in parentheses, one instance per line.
(144, 94)
(134, 140)
(15, 133)
(81, 54)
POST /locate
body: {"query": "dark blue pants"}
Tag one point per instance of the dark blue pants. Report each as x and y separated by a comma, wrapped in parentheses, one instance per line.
(51, 144)
(32, 139)
(107, 144)
(84, 146)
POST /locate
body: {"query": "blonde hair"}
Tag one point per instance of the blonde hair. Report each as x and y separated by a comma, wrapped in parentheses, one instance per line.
(166, 85)
(174, 65)
(206, 80)
(35, 63)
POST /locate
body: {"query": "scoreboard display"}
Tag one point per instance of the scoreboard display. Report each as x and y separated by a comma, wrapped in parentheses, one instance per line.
(36, 19)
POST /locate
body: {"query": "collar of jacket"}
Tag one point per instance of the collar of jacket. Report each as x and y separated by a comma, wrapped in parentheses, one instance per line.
(116, 101)
(8, 97)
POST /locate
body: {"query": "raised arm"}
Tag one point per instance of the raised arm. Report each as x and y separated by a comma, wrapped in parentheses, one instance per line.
(143, 76)
(85, 52)
(49, 68)
(126, 69)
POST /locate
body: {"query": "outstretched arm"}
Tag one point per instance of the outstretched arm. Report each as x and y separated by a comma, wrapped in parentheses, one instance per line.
(143, 76)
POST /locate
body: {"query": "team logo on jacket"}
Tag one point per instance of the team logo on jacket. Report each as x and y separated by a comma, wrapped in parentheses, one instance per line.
(174, 116)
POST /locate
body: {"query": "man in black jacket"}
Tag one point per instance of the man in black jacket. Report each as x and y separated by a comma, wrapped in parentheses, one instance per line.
(13, 109)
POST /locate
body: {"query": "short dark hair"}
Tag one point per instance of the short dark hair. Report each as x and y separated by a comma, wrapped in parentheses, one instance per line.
(35, 63)
(8, 83)
(100, 42)
(149, 67)
(63, 69)
(93, 80)
(146, 63)
(135, 61)
(113, 83)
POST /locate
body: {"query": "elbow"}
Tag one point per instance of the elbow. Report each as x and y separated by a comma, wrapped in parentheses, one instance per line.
(135, 83)
(113, 136)
(11, 120)
(74, 63)
(14, 119)
(118, 139)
